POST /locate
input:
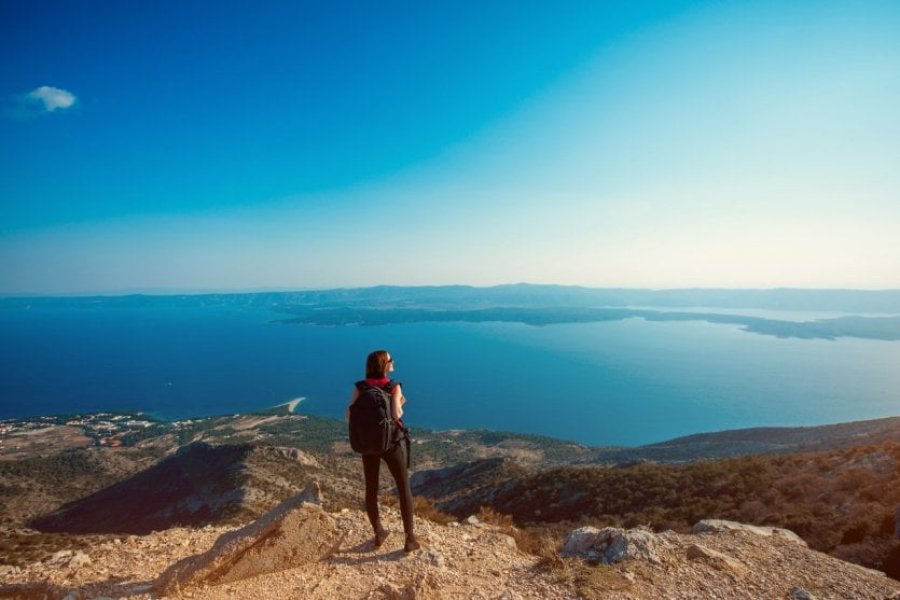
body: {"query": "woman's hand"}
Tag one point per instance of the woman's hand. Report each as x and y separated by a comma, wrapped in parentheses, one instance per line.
(353, 398)
(397, 402)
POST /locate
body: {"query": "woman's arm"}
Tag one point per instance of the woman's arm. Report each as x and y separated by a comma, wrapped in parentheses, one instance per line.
(397, 402)
(353, 398)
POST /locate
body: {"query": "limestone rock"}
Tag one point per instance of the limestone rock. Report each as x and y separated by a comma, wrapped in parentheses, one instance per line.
(612, 545)
(297, 455)
(508, 540)
(61, 558)
(294, 533)
(79, 559)
(433, 557)
(719, 525)
(798, 593)
(581, 541)
(720, 561)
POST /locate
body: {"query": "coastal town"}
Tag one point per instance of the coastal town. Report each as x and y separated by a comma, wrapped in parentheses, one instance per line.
(28, 436)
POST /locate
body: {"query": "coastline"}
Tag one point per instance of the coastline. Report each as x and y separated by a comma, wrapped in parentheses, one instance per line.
(291, 404)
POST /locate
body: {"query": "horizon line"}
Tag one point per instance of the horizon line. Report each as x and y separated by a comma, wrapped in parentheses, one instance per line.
(162, 292)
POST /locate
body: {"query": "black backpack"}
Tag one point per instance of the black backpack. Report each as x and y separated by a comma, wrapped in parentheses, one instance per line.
(372, 430)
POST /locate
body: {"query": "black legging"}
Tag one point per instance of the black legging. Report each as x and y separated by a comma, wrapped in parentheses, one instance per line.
(396, 462)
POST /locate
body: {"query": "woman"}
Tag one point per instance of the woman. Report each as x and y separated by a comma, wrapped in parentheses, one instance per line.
(378, 365)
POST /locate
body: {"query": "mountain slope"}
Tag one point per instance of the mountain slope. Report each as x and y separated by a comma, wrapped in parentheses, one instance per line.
(845, 502)
(461, 560)
(759, 440)
(198, 485)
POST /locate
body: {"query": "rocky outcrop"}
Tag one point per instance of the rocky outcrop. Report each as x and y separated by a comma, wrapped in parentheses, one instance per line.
(295, 533)
(470, 559)
(69, 559)
(612, 545)
(717, 560)
(719, 525)
(293, 454)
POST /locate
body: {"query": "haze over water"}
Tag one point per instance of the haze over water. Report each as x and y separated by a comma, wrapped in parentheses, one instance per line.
(616, 383)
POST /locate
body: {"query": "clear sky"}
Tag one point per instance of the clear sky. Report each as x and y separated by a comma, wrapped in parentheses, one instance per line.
(189, 146)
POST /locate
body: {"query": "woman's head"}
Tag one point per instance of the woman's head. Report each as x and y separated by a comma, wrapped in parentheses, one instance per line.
(379, 364)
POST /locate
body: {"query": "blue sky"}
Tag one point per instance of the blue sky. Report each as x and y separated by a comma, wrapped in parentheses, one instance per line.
(228, 146)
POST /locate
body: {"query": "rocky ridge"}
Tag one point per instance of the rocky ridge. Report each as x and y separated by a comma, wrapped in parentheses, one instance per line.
(298, 549)
(114, 519)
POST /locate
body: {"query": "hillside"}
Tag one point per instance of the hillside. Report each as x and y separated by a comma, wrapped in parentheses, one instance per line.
(299, 550)
(845, 502)
(758, 440)
(77, 483)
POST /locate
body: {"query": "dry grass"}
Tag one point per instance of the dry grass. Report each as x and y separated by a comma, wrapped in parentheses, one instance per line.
(588, 580)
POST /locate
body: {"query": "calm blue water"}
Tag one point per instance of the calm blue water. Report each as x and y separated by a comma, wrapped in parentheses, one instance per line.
(628, 382)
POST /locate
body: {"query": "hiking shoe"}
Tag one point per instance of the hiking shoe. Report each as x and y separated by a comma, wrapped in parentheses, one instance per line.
(380, 536)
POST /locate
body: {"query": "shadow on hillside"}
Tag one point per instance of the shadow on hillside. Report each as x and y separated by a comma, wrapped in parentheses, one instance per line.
(198, 485)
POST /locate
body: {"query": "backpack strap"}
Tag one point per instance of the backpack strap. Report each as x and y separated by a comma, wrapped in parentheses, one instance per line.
(361, 385)
(389, 387)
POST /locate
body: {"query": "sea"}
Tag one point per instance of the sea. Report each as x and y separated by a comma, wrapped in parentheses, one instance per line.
(620, 383)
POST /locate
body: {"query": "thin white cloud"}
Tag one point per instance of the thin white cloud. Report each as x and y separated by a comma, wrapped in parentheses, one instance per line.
(51, 98)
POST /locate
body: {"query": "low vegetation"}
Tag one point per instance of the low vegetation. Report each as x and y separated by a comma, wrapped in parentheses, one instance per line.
(842, 502)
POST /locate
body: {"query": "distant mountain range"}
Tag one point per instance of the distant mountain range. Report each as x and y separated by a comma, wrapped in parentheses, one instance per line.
(867, 314)
(511, 295)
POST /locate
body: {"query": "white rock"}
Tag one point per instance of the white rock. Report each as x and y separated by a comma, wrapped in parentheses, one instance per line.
(80, 559)
(719, 525)
(720, 561)
(580, 541)
(633, 544)
(61, 557)
(798, 593)
(612, 545)
(433, 557)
